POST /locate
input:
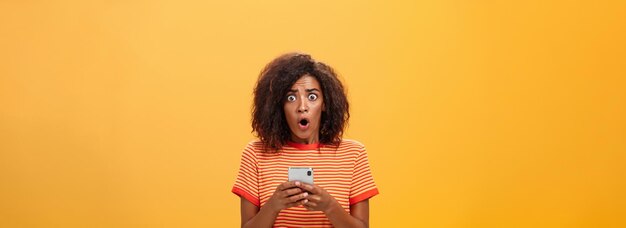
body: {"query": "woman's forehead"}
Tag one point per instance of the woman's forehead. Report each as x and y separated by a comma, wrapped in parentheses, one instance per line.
(306, 81)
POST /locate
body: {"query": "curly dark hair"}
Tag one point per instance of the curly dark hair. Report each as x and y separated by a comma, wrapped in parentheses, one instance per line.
(275, 81)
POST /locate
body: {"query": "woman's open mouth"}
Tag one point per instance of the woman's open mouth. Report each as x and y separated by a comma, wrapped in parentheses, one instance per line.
(303, 124)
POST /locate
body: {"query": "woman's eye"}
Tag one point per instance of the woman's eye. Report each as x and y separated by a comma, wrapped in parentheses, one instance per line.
(291, 98)
(312, 97)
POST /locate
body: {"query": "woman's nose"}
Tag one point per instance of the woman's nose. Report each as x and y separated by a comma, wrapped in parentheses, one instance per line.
(303, 106)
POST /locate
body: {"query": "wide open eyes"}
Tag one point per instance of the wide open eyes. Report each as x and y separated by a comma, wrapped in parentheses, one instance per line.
(311, 97)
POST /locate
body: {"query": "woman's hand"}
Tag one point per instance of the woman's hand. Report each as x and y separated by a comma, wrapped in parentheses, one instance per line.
(288, 194)
(319, 199)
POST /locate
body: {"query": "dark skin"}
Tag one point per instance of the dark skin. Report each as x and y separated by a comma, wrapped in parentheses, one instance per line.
(314, 198)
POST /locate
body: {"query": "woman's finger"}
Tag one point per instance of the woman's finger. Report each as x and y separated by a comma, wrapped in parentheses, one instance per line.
(288, 184)
(297, 197)
(298, 203)
(311, 188)
(310, 204)
(314, 198)
(292, 191)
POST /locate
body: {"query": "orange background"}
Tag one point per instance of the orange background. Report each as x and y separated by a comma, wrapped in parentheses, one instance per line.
(475, 114)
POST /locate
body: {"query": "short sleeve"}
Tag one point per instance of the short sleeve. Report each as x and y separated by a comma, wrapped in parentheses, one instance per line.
(247, 184)
(362, 186)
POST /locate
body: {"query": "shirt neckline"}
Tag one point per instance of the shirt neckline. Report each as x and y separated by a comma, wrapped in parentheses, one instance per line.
(302, 146)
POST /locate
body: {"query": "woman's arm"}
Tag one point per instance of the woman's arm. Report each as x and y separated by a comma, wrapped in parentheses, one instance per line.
(358, 217)
(287, 195)
(321, 200)
(251, 216)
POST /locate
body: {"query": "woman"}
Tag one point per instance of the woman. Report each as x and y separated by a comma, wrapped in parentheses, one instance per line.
(299, 113)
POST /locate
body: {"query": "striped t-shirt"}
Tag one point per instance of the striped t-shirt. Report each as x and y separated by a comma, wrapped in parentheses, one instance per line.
(343, 171)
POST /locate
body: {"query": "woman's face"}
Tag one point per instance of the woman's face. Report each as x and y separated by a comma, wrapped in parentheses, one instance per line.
(303, 109)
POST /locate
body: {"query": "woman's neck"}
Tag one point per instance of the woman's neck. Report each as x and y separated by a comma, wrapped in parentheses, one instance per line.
(312, 140)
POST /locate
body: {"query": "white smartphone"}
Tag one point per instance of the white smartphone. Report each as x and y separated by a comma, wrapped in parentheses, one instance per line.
(304, 174)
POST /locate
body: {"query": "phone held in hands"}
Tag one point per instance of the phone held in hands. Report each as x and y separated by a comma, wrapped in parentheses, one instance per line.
(303, 174)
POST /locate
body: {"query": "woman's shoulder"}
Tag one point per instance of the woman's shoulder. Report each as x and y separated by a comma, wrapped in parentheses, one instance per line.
(351, 143)
(254, 143)
(257, 147)
(254, 146)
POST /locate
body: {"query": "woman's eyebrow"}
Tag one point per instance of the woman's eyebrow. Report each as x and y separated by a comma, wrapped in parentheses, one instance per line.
(306, 90)
(311, 90)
